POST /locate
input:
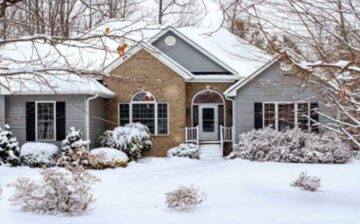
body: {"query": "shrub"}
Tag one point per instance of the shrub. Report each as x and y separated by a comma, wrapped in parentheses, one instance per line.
(133, 139)
(103, 158)
(37, 154)
(59, 191)
(291, 145)
(191, 151)
(73, 150)
(9, 148)
(306, 182)
(184, 199)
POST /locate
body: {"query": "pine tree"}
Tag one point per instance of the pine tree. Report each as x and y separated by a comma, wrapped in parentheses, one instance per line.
(9, 148)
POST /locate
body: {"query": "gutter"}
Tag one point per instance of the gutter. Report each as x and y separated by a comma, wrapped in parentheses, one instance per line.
(87, 120)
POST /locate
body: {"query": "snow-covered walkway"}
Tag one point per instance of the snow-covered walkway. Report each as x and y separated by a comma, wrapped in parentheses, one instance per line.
(211, 152)
(238, 192)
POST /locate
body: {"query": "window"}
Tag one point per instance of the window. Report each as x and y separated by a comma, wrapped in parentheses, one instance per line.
(144, 109)
(281, 116)
(45, 121)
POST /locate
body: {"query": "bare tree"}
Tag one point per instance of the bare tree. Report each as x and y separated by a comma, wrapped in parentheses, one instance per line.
(320, 39)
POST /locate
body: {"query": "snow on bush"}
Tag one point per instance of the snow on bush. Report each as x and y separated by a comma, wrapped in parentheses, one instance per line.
(102, 158)
(73, 150)
(306, 182)
(38, 154)
(60, 191)
(9, 148)
(132, 139)
(191, 151)
(291, 145)
(184, 199)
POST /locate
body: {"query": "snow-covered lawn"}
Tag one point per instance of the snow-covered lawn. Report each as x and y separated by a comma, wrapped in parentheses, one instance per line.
(238, 192)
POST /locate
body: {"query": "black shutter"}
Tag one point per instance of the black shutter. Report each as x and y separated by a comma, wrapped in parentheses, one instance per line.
(314, 116)
(30, 121)
(258, 116)
(60, 121)
(195, 115)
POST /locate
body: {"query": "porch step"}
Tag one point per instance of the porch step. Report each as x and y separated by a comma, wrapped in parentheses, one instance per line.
(209, 142)
(210, 151)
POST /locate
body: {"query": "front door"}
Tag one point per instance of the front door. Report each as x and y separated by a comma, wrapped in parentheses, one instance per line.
(208, 119)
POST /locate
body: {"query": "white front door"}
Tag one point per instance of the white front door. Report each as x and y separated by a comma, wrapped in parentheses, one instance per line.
(208, 120)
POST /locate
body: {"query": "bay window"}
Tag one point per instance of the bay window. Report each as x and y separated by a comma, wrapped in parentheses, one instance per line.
(144, 109)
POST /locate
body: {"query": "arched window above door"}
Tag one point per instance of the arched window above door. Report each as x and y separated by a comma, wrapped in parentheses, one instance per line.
(208, 96)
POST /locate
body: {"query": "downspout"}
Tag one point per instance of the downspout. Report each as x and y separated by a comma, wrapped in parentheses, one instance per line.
(87, 120)
(233, 118)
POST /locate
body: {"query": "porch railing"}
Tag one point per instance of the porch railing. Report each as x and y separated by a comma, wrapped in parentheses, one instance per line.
(225, 135)
(192, 135)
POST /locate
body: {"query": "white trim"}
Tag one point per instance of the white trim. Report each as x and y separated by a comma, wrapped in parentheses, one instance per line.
(214, 78)
(87, 116)
(162, 57)
(198, 104)
(231, 91)
(195, 45)
(36, 120)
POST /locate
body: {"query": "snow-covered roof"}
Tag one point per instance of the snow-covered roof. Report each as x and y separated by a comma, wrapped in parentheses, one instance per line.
(31, 84)
(241, 56)
(234, 54)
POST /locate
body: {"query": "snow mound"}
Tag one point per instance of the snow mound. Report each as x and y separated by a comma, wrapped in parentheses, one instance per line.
(110, 154)
(38, 153)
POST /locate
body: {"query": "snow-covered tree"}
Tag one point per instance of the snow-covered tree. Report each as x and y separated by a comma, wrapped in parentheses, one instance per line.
(60, 191)
(9, 147)
(320, 41)
(74, 150)
(133, 139)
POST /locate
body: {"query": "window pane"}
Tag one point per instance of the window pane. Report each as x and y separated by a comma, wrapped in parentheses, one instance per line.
(162, 118)
(269, 115)
(303, 121)
(143, 96)
(285, 116)
(45, 121)
(208, 120)
(144, 114)
(124, 114)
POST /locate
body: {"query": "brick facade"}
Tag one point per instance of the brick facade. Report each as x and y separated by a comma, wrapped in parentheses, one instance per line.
(144, 72)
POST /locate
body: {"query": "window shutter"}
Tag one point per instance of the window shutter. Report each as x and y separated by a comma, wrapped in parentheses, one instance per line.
(258, 116)
(195, 117)
(314, 116)
(30, 121)
(60, 121)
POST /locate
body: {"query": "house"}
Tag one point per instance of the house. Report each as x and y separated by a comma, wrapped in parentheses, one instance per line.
(204, 86)
(186, 84)
(44, 107)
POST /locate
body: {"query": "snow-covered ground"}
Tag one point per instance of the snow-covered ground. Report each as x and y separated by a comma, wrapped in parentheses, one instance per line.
(238, 192)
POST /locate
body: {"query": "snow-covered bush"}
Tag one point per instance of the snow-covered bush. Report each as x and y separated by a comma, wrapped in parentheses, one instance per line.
(73, 150)
(306, 182)
(9, 148)
(191, 151)
(37, 154)
(102, 158)
(132, 139)
(184, 199)
(291, 145)
(59, 191)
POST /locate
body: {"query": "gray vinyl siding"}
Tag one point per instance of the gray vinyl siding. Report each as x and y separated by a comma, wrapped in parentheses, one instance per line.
(97, 120)
(2, 110)
(187, 56)
(269, 86)
(16, 112)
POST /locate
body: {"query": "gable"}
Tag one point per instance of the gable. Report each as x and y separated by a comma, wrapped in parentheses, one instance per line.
(189, 57)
